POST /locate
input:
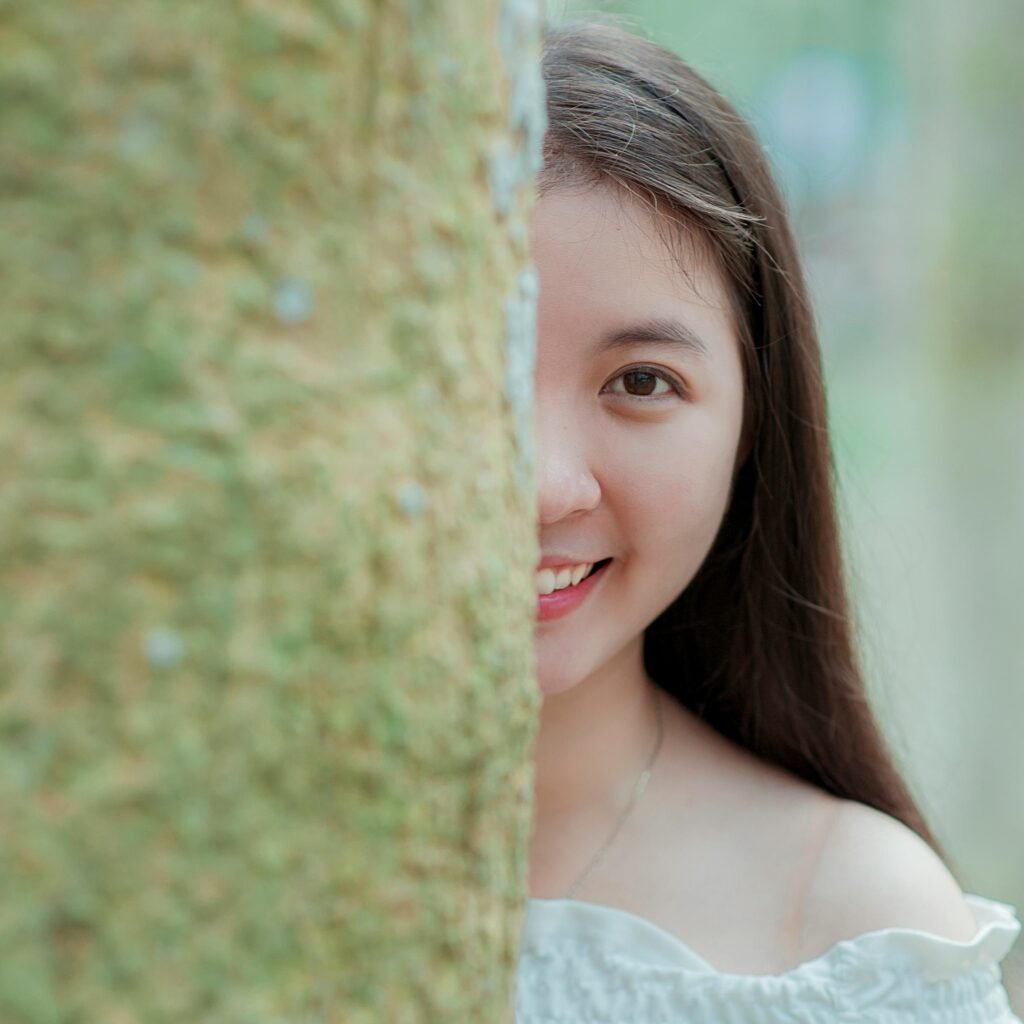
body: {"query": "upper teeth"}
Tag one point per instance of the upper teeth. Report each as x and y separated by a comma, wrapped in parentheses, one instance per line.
(548, 580)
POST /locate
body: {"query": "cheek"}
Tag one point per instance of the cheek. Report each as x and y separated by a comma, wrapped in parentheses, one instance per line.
(674, 509)
(678, 493)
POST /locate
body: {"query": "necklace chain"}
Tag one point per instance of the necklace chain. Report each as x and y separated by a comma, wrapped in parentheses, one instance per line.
(638, 791)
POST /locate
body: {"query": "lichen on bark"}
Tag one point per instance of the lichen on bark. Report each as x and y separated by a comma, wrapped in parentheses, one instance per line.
(265, 607)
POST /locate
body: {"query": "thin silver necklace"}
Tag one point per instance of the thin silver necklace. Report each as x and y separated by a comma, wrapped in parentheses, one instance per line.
(638, 791)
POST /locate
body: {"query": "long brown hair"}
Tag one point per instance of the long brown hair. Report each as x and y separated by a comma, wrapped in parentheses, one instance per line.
(760, 644)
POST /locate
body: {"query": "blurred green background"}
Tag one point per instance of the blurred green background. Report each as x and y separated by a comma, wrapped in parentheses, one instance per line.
(896, 128)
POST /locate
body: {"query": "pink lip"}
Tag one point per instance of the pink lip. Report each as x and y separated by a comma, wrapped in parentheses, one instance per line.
(561, 602)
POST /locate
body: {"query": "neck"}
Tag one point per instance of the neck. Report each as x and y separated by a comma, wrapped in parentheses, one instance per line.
(593, 742)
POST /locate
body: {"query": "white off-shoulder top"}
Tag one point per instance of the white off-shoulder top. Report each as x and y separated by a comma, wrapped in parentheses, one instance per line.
(585, 963)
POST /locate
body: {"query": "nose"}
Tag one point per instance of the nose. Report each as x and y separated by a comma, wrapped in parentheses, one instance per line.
(566, 483)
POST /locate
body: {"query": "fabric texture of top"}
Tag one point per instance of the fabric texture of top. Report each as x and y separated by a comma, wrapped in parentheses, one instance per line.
(585, 963)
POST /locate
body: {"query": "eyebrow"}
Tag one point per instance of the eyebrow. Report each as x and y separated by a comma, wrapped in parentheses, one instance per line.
(656, 331)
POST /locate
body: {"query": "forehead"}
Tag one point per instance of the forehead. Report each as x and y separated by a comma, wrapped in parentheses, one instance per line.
(602, 255)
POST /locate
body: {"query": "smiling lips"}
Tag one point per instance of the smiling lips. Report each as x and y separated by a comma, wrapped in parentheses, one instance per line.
(548, 580)
(560, 591)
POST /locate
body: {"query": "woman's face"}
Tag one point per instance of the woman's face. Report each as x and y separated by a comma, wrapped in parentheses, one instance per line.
(639, 406)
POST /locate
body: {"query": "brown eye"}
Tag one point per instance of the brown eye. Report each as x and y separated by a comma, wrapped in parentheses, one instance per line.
(642, 382)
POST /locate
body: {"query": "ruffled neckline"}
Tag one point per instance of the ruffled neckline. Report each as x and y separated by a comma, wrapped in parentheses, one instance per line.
(934, 956)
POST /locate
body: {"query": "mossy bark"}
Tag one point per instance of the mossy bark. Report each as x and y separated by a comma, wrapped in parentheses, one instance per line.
(266, 517)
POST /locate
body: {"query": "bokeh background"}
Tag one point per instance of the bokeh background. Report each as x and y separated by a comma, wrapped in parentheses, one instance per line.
(896, 128)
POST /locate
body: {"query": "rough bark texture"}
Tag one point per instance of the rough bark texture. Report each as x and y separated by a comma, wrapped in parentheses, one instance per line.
(266, 517)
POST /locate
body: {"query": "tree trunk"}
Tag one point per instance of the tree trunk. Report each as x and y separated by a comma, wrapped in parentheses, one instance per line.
(266, 512)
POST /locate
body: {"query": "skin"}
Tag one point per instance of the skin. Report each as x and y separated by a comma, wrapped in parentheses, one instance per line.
(754, 869)
(641, 478)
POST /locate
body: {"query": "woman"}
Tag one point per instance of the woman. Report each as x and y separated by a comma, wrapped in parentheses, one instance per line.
(693, 639)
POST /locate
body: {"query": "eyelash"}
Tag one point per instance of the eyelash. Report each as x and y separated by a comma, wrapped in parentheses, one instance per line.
(654, 372)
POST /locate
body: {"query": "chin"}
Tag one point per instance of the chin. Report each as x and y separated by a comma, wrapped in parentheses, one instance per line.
(552, 682)
(549, 690)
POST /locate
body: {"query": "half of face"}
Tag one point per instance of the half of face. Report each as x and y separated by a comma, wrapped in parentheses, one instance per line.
(639, 411)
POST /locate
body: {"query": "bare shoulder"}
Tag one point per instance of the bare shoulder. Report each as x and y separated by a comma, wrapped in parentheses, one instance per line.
(874, 872)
